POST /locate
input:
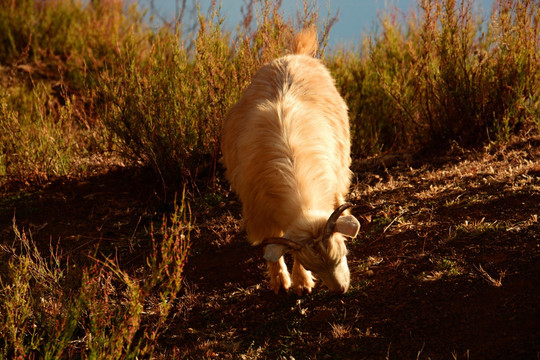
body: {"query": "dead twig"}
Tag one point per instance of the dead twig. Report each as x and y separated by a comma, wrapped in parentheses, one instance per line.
(393, 221)
(492, 281)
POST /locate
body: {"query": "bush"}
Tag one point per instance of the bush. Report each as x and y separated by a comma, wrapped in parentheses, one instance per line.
(166, 107)
(68, 40)
(98, 81)
(444, 76)
(47, 311)
(39, 139)
(51, 55)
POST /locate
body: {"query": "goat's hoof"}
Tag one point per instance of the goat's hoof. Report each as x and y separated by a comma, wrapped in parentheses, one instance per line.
(301, 288)
(280, 282)
(303, 284)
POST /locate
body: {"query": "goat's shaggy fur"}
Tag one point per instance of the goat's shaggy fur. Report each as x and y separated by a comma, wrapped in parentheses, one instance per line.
(286, 150)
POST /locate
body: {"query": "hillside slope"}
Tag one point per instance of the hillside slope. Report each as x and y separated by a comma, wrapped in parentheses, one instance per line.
(446, 264)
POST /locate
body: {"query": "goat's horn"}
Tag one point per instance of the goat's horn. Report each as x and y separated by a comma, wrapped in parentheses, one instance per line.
(282, 241)
(331, 223)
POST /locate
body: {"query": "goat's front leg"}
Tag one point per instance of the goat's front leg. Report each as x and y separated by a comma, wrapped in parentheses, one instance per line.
(279, 275)
(301, 279)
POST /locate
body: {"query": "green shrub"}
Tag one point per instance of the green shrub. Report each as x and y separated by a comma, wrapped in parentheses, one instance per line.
(52, 54)
(51, 309)
(167, 107)
(40, 139)
(98, 80)
(68, 40)
(445, 75)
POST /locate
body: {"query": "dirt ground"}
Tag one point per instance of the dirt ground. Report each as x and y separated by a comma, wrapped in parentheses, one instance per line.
(446, 265)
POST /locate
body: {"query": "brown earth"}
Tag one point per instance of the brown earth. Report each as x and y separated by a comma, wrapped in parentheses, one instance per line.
(446, 265)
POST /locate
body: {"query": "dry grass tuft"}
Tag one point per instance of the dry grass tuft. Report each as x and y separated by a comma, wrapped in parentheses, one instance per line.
(341, 331)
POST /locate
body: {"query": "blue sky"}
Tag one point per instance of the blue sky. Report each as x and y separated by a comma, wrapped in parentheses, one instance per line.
(356, 17)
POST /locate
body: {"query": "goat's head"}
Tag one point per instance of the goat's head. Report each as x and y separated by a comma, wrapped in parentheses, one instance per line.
(319, 245)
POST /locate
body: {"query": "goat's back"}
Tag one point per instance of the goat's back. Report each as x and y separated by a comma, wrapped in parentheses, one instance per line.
(286, 145)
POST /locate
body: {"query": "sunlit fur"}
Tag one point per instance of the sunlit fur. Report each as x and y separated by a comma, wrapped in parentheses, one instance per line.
(285, 147)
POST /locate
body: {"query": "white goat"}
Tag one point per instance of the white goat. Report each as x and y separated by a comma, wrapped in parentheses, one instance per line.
(286, 149)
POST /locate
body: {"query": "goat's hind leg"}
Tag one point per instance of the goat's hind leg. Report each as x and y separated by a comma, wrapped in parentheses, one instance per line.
(279, 275)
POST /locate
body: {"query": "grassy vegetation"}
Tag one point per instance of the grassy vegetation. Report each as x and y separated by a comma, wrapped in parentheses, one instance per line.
(52, 57)
(52, 308)
(80, 80)
(87, 85)
(166, 108)
(443, 74)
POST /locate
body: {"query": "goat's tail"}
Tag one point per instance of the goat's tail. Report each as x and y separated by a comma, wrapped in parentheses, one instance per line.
(306, 42)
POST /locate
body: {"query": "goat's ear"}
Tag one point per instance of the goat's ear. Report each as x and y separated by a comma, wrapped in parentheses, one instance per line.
(347, 225)
(273, 252)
